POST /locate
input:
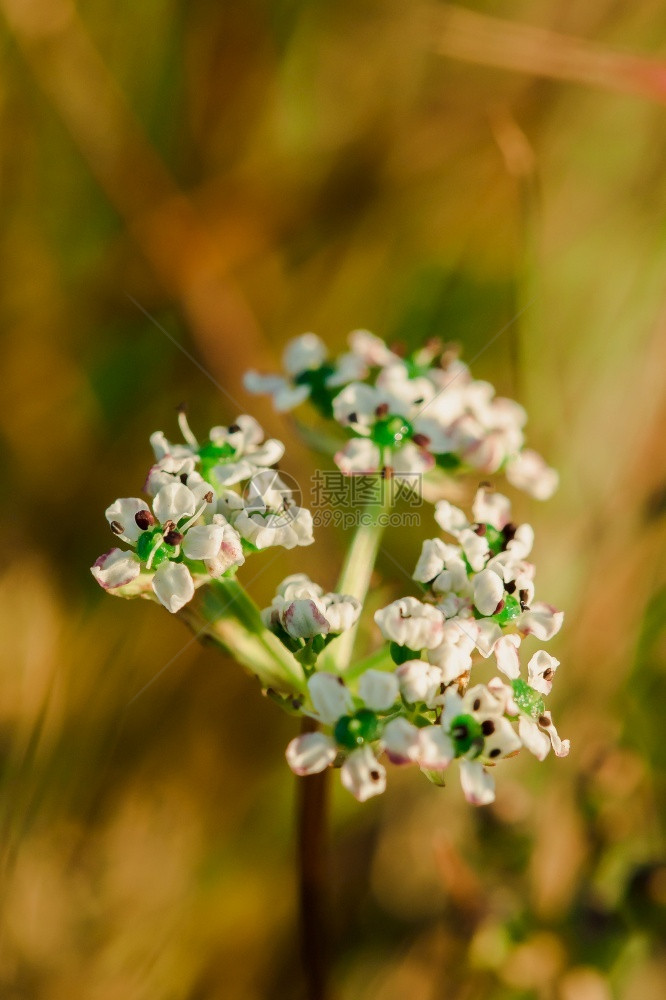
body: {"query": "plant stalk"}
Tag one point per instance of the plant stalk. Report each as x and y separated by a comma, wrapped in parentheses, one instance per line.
(312, 810)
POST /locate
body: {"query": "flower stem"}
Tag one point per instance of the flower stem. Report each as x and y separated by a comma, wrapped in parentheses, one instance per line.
(223, 613)
(312, 792)
(355, 576)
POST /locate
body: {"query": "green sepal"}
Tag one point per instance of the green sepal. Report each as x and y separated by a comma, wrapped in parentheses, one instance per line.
(494, 538)
(527, 699)
(434, 777)
(391, 431)
(248, 547)
(401, 654)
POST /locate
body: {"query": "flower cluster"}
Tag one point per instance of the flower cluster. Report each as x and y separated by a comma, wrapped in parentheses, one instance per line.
(211, 504)
(306, 619)
(478, 602)
(408, 415)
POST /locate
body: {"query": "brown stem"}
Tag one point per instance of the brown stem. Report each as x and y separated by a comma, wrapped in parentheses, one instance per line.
(312, 812)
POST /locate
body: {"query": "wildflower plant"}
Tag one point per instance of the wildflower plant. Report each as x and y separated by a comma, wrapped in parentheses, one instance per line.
(458, 680)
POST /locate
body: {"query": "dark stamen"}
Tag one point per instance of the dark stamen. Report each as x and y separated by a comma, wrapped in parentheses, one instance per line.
(183, 478)
(208, 497)
(548, 673)
(509, 532)
(477, 704)
(116, 527)
(173, 538)
(488, 727)
(353, 417)
(500, 607)
(544, 721)
(382, 410)
(495, 752)
(510, 587)
(422, 440)
(234, 428)
(480, 529)
(144, 519)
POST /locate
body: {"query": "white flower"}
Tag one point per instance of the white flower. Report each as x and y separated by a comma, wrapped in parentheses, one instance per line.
(419, 682)
(269, 515)
(230, 455)
(541, 670)
(330, 697)
(363, 775)
(301, 608)
(371, 349)
(542, 620)
(410, 623)
(342, 611)
(305, 361)
(173, 585)
(378, 689)
(527, 471)
(311, 753)
(488, 591)
(116, 569)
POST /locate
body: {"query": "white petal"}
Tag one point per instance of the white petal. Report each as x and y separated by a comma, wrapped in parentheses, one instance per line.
(527, 471)
(521, 544)
(173, 585)
(378, 689)
(342, 611)
(542, 620)
(259, 384)
(356, 405)
(174, 502)
(288, 397)
(299, 585)
(349, 367)
(450, 518)
(303, 353)
(330, 697)
(506, 654)
(371, 348)
(533, 738)
(363, 775)
(560, 747)
(304, 619)
(402, 741)
(419, 681)
(503, 741)
(311, 753)
(490, 507)
(116, 569)
(411, 460)
(436, 749)
(431, 561)
(477, 784)
(540, 671)
(488, 591)
(453, 659)
(475, 548)
(358, 457)
(411, 623)
(203, 541)
(487, 634)
(123, 512)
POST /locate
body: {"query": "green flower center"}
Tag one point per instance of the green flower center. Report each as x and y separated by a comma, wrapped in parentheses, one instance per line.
(146, 543)
(391, 431)
(211, 454)
(354, 730)
(467, 735)
(510, 610)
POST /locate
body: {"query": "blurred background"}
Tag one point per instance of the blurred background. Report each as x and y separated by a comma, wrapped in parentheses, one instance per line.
(185, 186)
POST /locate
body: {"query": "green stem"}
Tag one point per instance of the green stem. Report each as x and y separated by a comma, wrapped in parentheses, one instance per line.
(379, 660)
(355, 577)
(223, 613)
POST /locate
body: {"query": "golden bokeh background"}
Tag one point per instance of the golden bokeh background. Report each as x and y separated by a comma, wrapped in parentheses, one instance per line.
(185, 187)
